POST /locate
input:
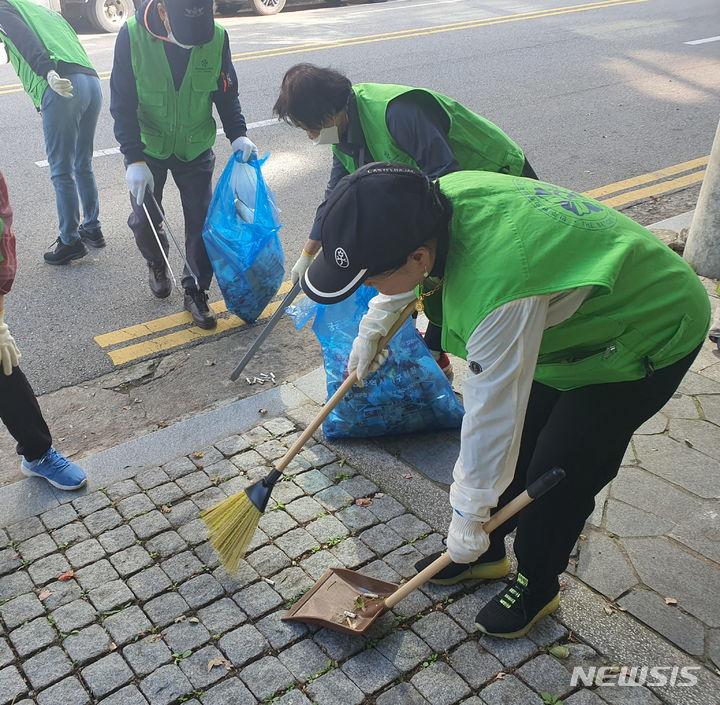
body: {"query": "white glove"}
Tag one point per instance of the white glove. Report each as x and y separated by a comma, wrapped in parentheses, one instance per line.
(9, 353)
(466, 540)
(304, 261)
(244, 145)
(383, 311)
(62, 86)
(139, 177)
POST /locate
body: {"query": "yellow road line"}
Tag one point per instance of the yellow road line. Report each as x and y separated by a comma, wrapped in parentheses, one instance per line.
(402, 34)
(166, 322)
(655, 190)
(187, 335)
(647, 178)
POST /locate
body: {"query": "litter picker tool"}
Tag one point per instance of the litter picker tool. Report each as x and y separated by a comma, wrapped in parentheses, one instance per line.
(180, 250)
(267, 329)
(349, 602)
(233, 521)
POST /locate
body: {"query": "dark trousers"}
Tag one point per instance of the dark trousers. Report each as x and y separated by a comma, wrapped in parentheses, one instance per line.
(21, 414)
(194, 181)
(585, 432)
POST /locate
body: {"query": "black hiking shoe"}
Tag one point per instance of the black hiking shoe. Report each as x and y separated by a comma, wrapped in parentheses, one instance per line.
(514, 610)
(94, 238)
(159, 281)
(482, 569)
(62, 254)
(196, 304)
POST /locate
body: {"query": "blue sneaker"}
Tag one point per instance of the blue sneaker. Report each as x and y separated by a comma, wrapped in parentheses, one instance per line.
(56, 469)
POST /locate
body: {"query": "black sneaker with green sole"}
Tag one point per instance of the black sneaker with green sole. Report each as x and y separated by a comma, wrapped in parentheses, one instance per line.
(514, 610)
(456, 572)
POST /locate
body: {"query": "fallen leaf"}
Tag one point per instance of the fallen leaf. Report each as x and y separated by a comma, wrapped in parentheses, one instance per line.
(500, 676)
(155, 637)
(194, 620)
(82, 408)
(670, 601)
(622, 609)
(165, 509)
(198, 455)
(215, 479)
(209, 363)
(609, 610)
(559, 651)
(66, 576)
(582, 537)
(262, 411)
(363, 502)
(181, 618)
(44, 594)
(113, 646)
(407, 476)
(16, 556)
(378, 495)
(219, 661)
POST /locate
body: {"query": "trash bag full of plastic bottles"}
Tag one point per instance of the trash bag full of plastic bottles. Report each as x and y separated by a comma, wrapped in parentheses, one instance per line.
(409, 393)
(241, 238)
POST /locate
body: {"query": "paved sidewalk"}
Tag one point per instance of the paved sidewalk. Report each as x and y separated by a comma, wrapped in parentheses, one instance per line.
(113, 595)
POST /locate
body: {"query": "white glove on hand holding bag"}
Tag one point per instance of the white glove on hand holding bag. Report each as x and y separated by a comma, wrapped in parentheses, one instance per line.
(466, 540)
(244, 145)
(382, 313)
(9, 353)
(303, 262)
(62, 86)
(138, 177)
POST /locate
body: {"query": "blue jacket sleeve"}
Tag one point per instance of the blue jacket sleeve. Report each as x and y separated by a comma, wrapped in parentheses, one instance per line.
(124, 101)
(226, 97)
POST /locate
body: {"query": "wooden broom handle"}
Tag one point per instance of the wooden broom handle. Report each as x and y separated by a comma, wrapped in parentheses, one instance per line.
(342, 390)
(539, 487)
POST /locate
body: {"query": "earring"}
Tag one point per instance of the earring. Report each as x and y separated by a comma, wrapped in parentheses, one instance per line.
(426, 274)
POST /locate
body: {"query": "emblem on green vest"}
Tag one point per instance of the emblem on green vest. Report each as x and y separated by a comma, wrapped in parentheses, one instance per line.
(568, 207)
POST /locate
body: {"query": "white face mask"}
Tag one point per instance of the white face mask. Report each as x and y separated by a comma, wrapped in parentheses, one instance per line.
(171, 38)
(328, 135)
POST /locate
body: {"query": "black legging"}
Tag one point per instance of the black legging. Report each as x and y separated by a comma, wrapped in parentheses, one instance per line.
(21, 413)
(585, 432)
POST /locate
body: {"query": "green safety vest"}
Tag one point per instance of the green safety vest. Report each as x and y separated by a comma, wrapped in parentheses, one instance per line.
(477, 143)
(178, 123)
(512, 238)
(58, 38)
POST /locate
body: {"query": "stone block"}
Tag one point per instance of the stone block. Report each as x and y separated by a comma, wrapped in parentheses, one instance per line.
(439, 684)
(117, 539)
(36, 547)
(352, 553)
(699, 531)
(509, 690)
(67, 692)
(127, 625)
(291, 583)
(439, 631)
(206, 456)
(165, 685)
(257, 600)
(21, 609)
(338, 646)
(404, 649)
(46, 667)
(198, 670)
(248, 460)
(403, 694)
(278, 633)
(148, 583)
(626, 520)
(90, 503)
(230, 692)
(166, 544)
(121, 490)
(546, 632)
(286, 492)
(313, 481)
(27, 528)
(221, 615)
(316, 564)
(70, 533)
(279, 426)
(358, 486)
(75, 615)
(545, 675)
(242, 644)
(153, 477)
(232, 445)
(84, 553)
(104, 520)
(409, 527)
(268, 560)
(181, 567)
(96, 574)
(48, 568)
(370, 671)
(178, 468)
(135, 505)
(15, 584)
(185, 635)
(474, 664)
(109, 596)
(381, 539)
(194, 533)
(327, 528)
(603, 566)
(208, 498)
(510, 652)
(357, 518)
(221, 471)
(146, 655)
(201, 590)
(152, 523)
(6, 654)
(61, 592)
(129, 695)
(381, 571)
(413, 604)
(333, 688)
(194, 482)
(701, 435)
(165, 609)
(304, 660)
(304, 509)
(87, 644)
(332, 499)
(386, 508)
(232, 583)
(403, 560)
(32, 636)
(296, 542)
(167, 493)
(12, 685)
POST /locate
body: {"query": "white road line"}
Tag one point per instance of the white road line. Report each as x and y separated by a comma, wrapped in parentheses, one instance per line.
(116, 150)
(704, 41)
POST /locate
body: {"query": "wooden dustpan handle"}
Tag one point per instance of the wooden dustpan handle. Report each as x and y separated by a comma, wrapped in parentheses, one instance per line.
(342, 390)
(537, 488)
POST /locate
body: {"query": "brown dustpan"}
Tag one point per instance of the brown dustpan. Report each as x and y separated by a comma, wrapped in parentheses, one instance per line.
(349, 602)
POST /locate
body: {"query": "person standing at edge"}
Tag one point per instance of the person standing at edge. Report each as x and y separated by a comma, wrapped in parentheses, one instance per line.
(172, 63)
(60, 79)
(369, 122)
(19, 409)
(578, 325)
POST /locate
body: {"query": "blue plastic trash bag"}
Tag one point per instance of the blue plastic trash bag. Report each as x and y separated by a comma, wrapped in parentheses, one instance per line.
(409, 393)
(241, 238)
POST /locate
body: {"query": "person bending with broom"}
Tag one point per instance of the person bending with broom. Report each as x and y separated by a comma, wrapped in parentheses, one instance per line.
(578, 325)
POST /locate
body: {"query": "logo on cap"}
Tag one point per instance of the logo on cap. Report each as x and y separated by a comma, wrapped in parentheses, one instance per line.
(196, 11)
(341, 258)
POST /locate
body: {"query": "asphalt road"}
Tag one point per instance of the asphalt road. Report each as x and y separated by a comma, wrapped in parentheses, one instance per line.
(594, 92)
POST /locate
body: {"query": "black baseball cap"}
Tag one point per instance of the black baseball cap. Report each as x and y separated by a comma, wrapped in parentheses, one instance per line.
(373, 219)
(191, 21)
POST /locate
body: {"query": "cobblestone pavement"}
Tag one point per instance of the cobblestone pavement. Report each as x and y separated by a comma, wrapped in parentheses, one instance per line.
(117, 598)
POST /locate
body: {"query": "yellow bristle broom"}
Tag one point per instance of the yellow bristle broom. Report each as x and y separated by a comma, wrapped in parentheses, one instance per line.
(233, 521)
